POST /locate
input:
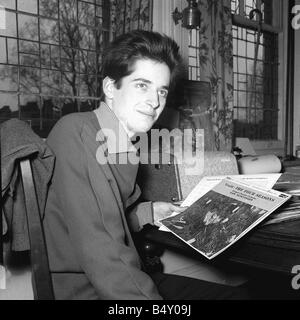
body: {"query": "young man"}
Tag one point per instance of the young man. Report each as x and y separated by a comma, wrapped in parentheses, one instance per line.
(87, 227)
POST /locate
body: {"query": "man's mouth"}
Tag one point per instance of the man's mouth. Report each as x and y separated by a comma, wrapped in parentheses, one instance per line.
(149, 113)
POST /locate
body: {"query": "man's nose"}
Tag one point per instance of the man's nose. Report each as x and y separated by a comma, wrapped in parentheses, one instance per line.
(154, 99)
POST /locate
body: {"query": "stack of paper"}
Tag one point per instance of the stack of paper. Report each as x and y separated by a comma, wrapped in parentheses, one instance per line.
(289, 211)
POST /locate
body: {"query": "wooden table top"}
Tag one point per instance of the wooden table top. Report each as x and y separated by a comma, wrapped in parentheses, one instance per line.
(272, 247)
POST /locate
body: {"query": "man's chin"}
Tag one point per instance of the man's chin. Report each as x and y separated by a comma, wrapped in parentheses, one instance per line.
(143, 128)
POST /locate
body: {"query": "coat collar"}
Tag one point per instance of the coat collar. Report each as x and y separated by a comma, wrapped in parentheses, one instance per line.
(115, 136)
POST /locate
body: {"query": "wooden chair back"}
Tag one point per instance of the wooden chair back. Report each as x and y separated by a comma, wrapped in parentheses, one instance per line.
(41, 278)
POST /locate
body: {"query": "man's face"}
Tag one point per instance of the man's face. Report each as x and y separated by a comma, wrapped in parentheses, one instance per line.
(142, 96)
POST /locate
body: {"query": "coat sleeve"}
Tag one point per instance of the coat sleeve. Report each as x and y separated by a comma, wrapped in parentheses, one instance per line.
(95, 232)
(140, 215)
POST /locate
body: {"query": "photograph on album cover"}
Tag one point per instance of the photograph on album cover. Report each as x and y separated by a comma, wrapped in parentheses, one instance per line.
(218, 219)
(213, 222)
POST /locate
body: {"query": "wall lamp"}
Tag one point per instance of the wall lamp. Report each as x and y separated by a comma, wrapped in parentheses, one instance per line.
(190, 16)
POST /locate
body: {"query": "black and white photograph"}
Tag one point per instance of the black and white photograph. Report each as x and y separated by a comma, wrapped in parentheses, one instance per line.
(217, 220)
(112, 114)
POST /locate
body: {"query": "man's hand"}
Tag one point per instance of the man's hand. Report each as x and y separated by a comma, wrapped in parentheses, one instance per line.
(163, 210)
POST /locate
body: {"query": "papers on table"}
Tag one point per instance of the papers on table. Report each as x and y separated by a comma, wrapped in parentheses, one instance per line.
(223, 215)
(264, 181)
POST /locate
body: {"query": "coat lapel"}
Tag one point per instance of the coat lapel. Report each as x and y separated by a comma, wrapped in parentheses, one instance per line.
(100, 147)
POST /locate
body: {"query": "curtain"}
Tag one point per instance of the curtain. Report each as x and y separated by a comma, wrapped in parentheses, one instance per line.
(129, 15)
(216, 66)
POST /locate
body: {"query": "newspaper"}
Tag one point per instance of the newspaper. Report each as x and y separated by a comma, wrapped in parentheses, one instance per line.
(290, 211)
(224, 214)
(265, 181)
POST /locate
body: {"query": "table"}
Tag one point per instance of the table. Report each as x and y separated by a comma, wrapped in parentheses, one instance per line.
(265, 255)
(272, 247)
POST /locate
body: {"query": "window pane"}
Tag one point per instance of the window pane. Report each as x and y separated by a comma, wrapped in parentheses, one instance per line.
(3, 48)
(10, 4)
(55, 57)
(8, 106)
(28, 6)
(29, 80)
(68, 10)
(49, 31)
(87, 38)
(28, 27)
(241, 47)
(28, 47)
(242, 65)
(255, 93)
(49, 8)
(250, 49)
(12, 51)
(86, 13)
(29, 60)
(51, 82)
(11, 27)
(8, 78)
(29, 106)
(45, 56)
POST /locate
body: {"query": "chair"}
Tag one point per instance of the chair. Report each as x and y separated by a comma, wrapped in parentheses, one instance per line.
(41, 279)
(26, 170)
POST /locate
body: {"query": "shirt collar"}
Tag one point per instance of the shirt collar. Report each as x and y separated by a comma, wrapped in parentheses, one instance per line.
(117, 140)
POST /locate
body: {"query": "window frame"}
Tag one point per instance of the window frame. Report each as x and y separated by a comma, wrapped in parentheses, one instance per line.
(162, 9)
(40, 121)
(279, 26)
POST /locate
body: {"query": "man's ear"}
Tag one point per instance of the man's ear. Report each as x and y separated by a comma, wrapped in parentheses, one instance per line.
(108, 87)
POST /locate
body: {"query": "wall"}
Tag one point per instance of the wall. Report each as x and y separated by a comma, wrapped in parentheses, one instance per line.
(164, 9)
(297, 87)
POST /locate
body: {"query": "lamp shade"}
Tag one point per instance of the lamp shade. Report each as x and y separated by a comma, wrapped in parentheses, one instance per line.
(191, 15)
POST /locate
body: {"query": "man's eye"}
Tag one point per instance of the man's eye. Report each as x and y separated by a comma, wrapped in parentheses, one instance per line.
(163, 93)
(141, 85)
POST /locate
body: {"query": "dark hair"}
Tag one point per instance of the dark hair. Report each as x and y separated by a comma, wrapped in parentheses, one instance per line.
(121, 54)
